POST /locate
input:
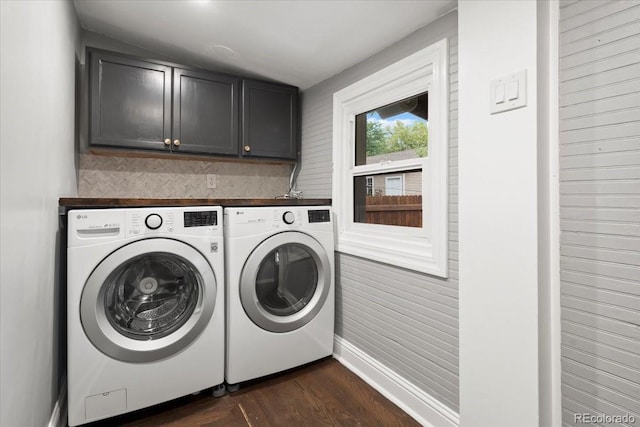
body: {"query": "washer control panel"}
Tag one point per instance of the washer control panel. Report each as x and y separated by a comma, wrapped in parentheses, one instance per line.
(186, 221)
(88, 226)
(143, 221)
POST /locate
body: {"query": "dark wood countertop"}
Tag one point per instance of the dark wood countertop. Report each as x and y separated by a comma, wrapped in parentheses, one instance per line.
(97, 203)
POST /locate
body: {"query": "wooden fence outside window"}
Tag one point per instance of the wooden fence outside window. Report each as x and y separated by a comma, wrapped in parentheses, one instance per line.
(394, 210)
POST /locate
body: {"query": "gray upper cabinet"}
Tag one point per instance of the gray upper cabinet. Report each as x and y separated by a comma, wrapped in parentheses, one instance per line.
(269, 120)
(139, 104)
(205, 112)
(130, 102)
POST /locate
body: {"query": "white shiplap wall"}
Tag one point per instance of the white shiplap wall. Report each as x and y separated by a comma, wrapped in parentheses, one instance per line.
(600, 208)
(405, 320)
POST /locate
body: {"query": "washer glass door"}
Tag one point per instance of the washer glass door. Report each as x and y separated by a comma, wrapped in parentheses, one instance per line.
(148, 300)
(151, 295)
(285, 282)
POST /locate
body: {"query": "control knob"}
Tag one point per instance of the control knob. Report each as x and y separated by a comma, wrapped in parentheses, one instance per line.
(288, 217)
(153, 221)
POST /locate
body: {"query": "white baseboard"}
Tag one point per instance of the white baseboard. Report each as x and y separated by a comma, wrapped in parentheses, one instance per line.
(59, 413)
(419, 405)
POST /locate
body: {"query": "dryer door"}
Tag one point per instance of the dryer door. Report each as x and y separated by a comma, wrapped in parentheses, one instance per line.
(148, 300)
(285, 281)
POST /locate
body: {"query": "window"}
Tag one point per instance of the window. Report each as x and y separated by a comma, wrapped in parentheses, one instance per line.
(370, 186)
(393, 186)
(397, 131)
(390, 156)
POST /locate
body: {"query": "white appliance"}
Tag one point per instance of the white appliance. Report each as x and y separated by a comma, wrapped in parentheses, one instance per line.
(280, 289)
(145, 307)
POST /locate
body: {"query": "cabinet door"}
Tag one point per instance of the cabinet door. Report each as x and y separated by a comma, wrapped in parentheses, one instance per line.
(205, 112)
(269, 120)
(130, 102)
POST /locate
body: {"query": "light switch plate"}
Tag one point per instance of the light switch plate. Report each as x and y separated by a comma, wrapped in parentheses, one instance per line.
(514, 86)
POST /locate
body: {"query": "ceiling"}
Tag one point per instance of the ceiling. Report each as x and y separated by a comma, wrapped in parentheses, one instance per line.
(297, 42)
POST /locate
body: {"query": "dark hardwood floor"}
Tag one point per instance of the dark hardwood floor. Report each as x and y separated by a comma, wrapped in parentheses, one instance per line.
(324, 393)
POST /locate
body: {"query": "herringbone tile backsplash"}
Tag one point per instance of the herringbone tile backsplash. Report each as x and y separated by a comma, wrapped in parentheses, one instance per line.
(125, 177)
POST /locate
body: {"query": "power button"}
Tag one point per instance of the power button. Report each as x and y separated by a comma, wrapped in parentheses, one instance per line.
(288, 217)
(153, 221)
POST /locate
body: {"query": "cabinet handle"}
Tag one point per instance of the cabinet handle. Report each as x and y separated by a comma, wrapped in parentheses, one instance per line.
(247, 148)
(167, 141)
(176, 142)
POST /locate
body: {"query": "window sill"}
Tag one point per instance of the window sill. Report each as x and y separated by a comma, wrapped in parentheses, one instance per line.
(415, 254)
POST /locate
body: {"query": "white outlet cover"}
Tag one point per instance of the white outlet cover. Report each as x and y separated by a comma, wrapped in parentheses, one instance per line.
(211, 181)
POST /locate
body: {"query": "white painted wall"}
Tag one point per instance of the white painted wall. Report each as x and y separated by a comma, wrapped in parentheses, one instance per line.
(498, 214)
(39, 41)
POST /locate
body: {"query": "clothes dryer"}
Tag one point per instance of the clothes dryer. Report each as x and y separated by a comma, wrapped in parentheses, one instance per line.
(280, 289)
(145, 307)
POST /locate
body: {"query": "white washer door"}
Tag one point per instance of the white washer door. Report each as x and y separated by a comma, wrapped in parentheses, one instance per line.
(285, 281)
(148, 300)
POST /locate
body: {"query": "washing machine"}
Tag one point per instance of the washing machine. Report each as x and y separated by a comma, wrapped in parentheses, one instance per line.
(145, 308)
(280, 289)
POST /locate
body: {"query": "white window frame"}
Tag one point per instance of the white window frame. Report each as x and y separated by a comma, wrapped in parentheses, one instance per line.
(422, 249)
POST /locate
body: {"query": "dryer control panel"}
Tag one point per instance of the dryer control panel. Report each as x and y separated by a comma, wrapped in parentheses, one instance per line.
(249, 221)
